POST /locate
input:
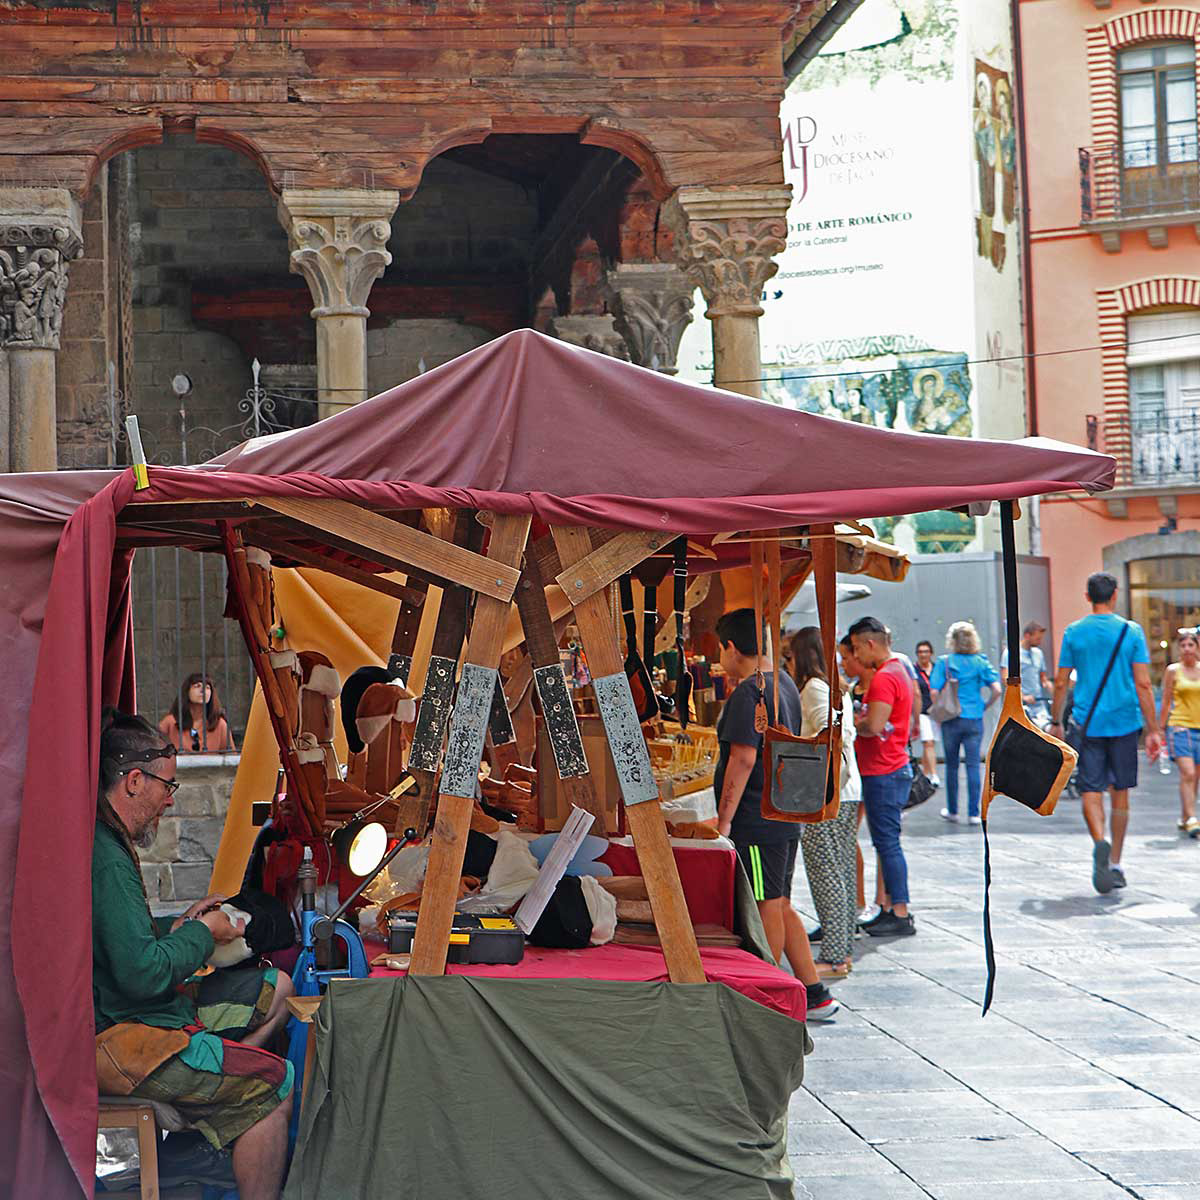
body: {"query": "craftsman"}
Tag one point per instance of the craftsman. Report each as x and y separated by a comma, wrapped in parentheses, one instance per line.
(767, 848)
(194, 1045)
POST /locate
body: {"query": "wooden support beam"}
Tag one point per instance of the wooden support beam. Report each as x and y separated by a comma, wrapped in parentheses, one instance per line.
(600, 567)
(643, 814)
(464, 753)
(400, 544)
(281, 548)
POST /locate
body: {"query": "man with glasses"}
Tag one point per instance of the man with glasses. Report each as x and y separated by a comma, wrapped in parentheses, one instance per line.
(168, 1028)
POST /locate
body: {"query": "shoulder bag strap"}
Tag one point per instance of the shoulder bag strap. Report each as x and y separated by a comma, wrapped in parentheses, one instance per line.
(756, 583)
(1112, 658)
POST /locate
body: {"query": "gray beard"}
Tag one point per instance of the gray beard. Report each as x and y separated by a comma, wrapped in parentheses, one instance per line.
(144, 838)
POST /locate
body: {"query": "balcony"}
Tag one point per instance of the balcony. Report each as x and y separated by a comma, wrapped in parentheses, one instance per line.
(1139, 185)
(1157, 453)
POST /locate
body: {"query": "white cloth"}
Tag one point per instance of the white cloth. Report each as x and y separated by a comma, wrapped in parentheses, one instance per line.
(229, 954)
(602, 908)
(514, 871)
(814, 710)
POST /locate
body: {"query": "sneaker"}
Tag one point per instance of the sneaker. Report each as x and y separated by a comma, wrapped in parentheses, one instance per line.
(947, 815)
(814, 935)
(1102, 878)
(974, 820)
(879, 916)
(1118, 876)
(1191, 827)
(935, 780)
(821, 1004)
(894, 926)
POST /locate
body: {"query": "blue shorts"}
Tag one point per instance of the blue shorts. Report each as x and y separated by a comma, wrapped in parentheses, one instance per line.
(1183, 743)
(1109, 762)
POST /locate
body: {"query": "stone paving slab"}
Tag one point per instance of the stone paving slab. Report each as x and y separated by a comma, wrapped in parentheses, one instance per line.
(1083, 1083)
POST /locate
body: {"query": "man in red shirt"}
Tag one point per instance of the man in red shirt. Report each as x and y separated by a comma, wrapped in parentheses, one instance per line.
(883, 724)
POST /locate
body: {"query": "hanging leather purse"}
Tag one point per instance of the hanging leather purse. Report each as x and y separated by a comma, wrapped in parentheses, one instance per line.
(802, 775)
(640, 683)
(683, 677)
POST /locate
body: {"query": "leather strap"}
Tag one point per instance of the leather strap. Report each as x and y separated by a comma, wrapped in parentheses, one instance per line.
(625, 585)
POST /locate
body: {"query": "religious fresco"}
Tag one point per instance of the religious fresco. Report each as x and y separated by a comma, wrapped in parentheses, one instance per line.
(995, 162)
(926, 391)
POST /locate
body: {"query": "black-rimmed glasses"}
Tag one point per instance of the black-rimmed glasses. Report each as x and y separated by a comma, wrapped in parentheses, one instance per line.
(172, 785)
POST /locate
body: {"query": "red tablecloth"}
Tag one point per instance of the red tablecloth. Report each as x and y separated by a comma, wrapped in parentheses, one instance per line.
(706, 876)
(758, 980)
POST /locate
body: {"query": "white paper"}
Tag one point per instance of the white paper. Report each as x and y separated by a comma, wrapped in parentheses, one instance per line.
(574, 830)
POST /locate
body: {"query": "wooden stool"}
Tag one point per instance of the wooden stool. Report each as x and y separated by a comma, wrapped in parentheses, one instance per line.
(127, 1112)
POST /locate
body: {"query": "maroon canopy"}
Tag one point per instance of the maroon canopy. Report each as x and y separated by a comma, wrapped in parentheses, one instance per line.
(522, 424)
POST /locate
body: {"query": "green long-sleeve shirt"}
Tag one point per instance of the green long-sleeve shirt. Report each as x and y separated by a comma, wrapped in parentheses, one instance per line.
(136, 962)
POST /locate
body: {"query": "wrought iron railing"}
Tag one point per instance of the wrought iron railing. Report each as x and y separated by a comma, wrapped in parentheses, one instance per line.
(1154, 447)
(1139, 178)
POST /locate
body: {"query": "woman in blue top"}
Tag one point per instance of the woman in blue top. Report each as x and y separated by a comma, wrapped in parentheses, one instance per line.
(976, 679)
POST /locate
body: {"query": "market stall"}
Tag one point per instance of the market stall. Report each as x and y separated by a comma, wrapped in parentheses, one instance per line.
(612, 464)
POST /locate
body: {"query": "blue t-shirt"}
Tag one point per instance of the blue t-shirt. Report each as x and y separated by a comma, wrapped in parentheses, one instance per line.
(973, 672)
(1087, 646)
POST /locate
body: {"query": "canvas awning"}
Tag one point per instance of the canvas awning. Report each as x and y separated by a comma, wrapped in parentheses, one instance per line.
(524, 424)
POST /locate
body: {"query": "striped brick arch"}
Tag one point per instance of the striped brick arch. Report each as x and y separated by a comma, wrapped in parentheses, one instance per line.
(1103, 42)
(1113, 307)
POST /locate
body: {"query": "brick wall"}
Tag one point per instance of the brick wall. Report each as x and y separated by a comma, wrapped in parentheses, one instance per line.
(177, 868)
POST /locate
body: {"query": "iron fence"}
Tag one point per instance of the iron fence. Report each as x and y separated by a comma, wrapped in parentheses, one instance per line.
(1154, 447)
(1139, 178)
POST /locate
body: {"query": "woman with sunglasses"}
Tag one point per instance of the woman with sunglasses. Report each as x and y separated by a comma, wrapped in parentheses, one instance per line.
(1181, 718)
(196, 723)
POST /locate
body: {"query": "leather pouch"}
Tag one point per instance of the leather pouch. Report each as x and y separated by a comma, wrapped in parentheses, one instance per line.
(127, 1053)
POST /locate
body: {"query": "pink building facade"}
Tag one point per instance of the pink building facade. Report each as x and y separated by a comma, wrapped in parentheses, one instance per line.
(1110, 107)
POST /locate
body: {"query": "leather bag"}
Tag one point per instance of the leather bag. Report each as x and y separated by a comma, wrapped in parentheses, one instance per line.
(129, 1052)
(946, 707)
(802, 774)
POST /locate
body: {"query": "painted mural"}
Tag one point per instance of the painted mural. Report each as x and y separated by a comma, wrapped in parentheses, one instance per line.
(995, 163)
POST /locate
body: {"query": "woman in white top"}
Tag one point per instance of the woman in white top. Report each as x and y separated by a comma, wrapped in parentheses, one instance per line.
(829, 846)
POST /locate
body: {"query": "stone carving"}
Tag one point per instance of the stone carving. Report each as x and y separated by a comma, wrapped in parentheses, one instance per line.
(338, 242)
(592, 333)
(33, 291)
(726, 240)
(652, 306)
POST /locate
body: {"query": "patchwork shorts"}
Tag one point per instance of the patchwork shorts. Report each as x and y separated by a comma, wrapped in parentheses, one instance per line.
(220, 1086)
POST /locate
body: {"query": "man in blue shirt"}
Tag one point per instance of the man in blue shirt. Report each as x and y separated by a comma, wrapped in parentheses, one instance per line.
(1109, 718)
(1033, 672)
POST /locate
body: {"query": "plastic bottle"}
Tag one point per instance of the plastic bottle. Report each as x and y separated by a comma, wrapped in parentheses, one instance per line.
(1164, 762)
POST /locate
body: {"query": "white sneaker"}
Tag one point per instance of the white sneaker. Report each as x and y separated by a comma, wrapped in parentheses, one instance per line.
(947, 815)
(975, 820)
(935, 780)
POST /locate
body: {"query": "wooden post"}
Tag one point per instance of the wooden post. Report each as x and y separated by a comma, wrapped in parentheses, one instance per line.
(464, 752)
(558, 712)
(643, 813)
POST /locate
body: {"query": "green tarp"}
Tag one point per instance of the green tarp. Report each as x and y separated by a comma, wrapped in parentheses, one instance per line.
(499, 1089)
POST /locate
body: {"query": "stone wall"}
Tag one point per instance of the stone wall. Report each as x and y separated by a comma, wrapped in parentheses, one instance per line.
(177, 868)
(396, 351)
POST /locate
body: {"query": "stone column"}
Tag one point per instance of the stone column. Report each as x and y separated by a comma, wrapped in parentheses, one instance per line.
(338, 240)
(652, 306)
(39, 237)
(592, 331)
(726, 240)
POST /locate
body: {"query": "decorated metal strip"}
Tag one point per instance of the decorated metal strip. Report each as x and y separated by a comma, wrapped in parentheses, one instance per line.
(625, 740)
(500, 724)
(561, 727)
(400, 666)
(436, 703)
(468, 727)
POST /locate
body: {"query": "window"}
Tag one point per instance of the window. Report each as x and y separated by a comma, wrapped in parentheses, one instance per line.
(1164, 396)
(1164, 595)
(1158, 125)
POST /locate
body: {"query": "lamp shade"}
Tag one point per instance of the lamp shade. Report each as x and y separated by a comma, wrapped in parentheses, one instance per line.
(360, 846)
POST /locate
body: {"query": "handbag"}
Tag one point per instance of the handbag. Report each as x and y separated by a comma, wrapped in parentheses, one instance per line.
(801, 774)
(946, 707)
(1074, 733)
(922, 787)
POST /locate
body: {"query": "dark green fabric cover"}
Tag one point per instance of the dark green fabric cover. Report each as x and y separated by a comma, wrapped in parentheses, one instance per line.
(499, 1089)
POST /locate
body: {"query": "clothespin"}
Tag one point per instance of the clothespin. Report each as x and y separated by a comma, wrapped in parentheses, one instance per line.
(141, 473)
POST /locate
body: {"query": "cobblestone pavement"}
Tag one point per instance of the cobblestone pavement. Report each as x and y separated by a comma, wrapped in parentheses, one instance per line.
(1082, 1083)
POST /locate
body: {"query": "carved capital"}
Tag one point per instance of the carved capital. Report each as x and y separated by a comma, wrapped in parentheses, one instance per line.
(652, 306)
(338, 241)
(39, 238)
(592, 333)
(726, 241)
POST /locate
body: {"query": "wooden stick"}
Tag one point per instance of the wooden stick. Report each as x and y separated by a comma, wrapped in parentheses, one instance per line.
(280, 547)
(401, 543)
(598, 568)
(643, 814)
(464, 753)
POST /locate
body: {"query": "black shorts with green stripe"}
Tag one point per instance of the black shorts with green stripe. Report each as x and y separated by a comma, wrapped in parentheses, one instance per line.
(770, 866)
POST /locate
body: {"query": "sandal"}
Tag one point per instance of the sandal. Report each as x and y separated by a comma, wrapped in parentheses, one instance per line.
(827, 971)
(1191, 827)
